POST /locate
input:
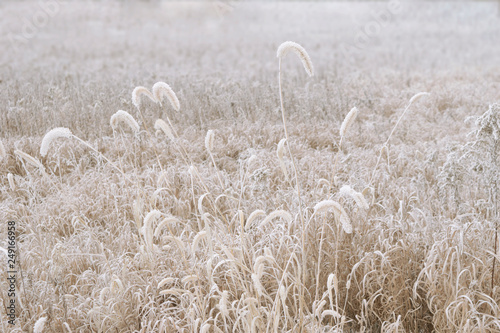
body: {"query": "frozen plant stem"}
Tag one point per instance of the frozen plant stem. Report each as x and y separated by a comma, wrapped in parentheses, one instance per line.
(392, 132)
(104, 157)
(301, 298)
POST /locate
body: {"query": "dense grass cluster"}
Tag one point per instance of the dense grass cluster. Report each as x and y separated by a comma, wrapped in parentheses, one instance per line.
(203, 205)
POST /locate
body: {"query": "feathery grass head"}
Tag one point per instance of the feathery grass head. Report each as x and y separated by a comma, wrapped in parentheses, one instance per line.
(161, 89)
(137, 94)
(253, 216)
(358, 197)
(348, 121)
(12, 183)
(279, 152)
(286, 47)
(281, 149)
(416, 96)
(209, 140)
(277, 213)
(147, 229)
(39, 325)
(3, 153)
(59, 132)
(338, 210)
(29, 159)
(124, 117)
(163, 126)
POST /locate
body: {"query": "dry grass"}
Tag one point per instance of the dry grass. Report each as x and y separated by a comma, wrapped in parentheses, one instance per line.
(199, 228)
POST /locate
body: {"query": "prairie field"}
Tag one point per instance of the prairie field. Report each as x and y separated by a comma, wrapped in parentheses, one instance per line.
(234, 191)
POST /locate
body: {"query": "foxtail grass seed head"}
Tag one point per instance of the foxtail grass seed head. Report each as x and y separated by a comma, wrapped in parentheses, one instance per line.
(416, 96)
(137, 94)
(12, 183)
(165, 222)
(163, 126)
(124, 117)
(255, 214)
(277, 213)
(280, 152)
(257, 284)
(189, 279)
(209, 140)
(348, 121)
(59, 132)
(258, 265)
(66, 326)
(286, 47)
(339, 212)
(326, 205)
(148, 226)
(29, 159)
(251, 160)
(358, 197)
(282, 292)
(39, 325)
(201, 235)
(318, 308)
(161, 89)
(223, 303)
(345, 221)
(333, 283)
(205, 328)
(165, 282)
(281, 148)
(3, 153)
(192, 171)
(332, 313)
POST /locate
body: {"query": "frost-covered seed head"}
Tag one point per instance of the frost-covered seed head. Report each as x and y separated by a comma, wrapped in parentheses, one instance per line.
(286, 47)
(358, 197)
(209, 140)
(163, 126)
(339, 212)
(137, 94)
(29, 159)
(59, 132)
(3, 153)
(348, 121)
(124, 117)
(161, 89)
(39, 325)
(277, 213)
(416, 96)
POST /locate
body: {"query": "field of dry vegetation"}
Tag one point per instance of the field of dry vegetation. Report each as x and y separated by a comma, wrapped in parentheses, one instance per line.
(209, 221)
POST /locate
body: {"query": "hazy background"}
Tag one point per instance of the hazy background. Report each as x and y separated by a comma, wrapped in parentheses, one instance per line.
(99, 51)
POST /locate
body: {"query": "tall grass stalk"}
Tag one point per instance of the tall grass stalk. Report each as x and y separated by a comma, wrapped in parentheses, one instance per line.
(384, 146)
(306, 61)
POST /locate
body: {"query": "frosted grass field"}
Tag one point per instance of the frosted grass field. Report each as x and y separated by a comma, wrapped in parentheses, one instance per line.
(120, 230)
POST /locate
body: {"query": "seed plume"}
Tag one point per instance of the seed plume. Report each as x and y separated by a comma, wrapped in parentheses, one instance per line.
(59, 132)
(358, 197)
(124, 117)
(286, 47)
(209, 140)
(39, 325)
(137, 94)
(161, 89)
(348, 121)
(416, 96)
(29, 159)
(163, 126)
(279, 153)
(3, 153)
(339, 212)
